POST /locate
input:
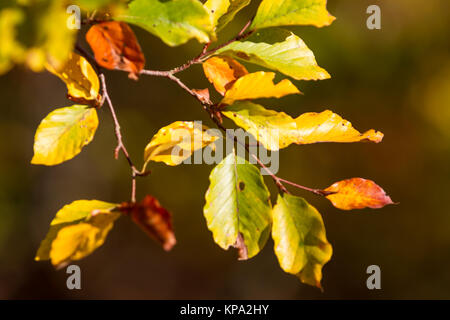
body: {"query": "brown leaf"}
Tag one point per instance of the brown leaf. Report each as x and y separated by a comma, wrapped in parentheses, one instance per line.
(153, 219)
(115, 47)
(357, 193)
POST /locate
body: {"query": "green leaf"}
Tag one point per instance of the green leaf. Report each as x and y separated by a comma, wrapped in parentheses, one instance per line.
(237, 208)
(77, 230)
(301, 245)
(63, 133)
(277, 130)
(288, 55)
(223, 11)
(174, 21)
(272, 13)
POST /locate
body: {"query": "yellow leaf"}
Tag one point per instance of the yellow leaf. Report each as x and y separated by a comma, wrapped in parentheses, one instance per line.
(78, 241)
(63, 133)
(224, 11)
(277, 130)
(272, 13)
(301, 245)
(357, 193)
(176, 142)
(77, 229)
(327, 126)
(80, 78)
(258, 85)
(222, 72)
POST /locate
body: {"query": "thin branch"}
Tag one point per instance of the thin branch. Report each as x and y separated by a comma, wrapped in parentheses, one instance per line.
(120, 145)
(202, 56)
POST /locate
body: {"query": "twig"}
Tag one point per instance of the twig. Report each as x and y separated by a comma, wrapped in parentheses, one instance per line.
(202, 56)
(120, 145)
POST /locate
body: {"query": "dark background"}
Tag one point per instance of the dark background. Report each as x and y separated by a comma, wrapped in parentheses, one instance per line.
(396, 80)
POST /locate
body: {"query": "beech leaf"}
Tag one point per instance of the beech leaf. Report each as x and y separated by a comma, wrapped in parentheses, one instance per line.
(288, 55)
(272, 13)
(76, 231)
(357, 193)
(277, 130)
(80, 78)
(153, 219)
(258, 85)
(176, 142)
(223, 11)
(63, 133)
(174, 21)
(237, 208)
(115, 47)
(300, 241)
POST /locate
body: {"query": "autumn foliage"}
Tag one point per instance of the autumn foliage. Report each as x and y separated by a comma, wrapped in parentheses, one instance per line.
(238, 208)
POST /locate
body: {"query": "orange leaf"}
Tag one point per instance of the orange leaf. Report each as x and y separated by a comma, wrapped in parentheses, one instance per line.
(153, 219)
(115, 47)
(222, 72)
(357, 193)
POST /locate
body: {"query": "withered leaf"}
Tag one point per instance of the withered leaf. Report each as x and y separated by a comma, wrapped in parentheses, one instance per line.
(151, 217)
(115, 47)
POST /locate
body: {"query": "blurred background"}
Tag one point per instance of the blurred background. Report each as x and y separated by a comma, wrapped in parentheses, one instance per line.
(396, 80)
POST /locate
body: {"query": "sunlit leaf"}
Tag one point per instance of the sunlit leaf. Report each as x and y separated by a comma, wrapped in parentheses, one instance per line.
(272, 13)
(174, 21)
(258, 85)
(153, 219)
(277, 130)
(289, 55)
(63, 133)
(237, 208)
(301, 245)
(176, 142)
(77, 230)
(115, 47)
(223, 11)
(222, 72)
(357, 193)
(80, 78)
